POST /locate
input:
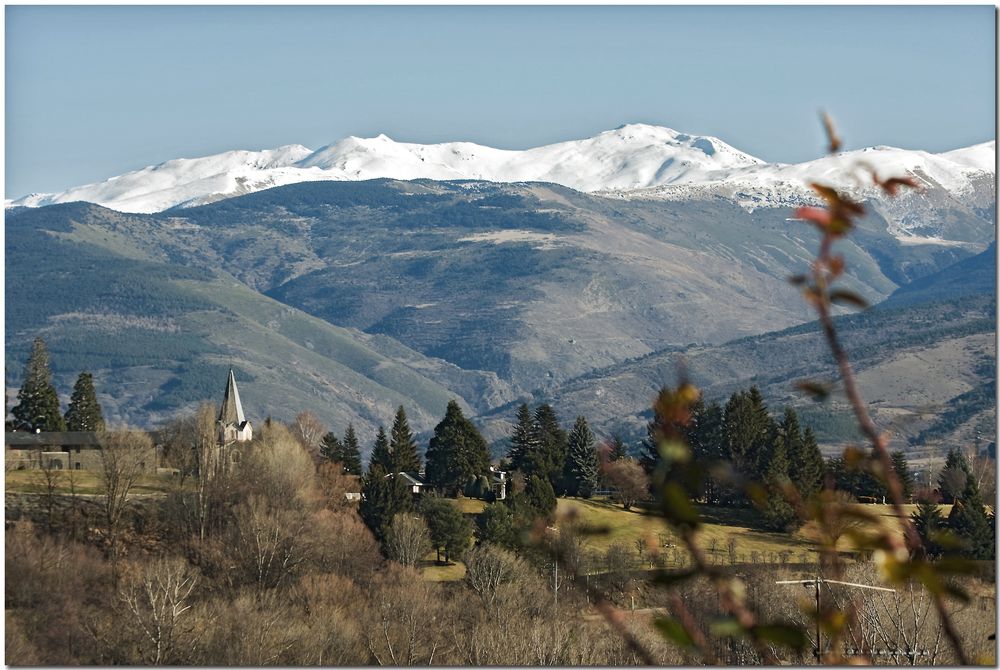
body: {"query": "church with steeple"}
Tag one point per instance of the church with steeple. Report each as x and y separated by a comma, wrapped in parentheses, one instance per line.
(231, 429)
(232, 425)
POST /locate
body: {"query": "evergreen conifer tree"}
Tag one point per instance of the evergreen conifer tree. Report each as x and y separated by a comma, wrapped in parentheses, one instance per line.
(84, 412)
(38, 403)
(649, 459)
(457, 453)
(523, 444)
(449, 529)
(778, 512)
(749, 432)
(496, 524)
(706, 438)
(951, 481)
(550, 455)
(404, 448)
(902, 470)
(969, 521)
(580, 474)
(929, 522)
(331, 448)
(617, 449)
(381, 455)
(538, 496)
(351, 454)
(383, 496)
(855, 480)
(808, 467)
(791, 432)
(806, 461)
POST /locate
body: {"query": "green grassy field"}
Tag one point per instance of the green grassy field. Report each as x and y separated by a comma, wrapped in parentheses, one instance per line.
(469, 505)
(79, 481)
(604, 523)
(433, 572)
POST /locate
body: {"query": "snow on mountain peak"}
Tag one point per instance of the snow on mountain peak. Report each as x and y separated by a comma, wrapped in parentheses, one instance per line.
(661, 161)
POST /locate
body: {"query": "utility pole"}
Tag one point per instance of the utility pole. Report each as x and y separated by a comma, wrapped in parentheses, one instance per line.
(815, 583)
(555, 581)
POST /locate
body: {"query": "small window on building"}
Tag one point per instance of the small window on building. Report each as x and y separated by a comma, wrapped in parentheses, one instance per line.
(77, 465)
(78, 449)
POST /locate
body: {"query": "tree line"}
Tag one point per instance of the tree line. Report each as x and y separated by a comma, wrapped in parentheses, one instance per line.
(37, 408)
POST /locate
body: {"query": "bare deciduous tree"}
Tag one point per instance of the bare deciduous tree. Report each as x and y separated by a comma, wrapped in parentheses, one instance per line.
(310, 431)
(278, 468)
(488, 568)
(49, 476)
(124, 454)
(628, 480)
(407, 539)
(267, 544)
(402, 629)
(157, 598)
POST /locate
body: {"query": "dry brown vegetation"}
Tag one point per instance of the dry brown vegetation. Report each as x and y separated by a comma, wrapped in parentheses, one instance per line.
(262, 566)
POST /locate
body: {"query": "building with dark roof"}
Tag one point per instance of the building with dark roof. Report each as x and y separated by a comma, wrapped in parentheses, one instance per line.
(64, 451)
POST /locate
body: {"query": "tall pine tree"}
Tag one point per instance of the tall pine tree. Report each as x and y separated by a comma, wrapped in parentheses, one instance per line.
(706, 438)
(550, 455)
(778, 512)
(523, 444)
(806, 462)
(351, 454)
(902, 470)
(808, 467)
(580, 474)
(381, 455)
(404, 448)
(383, 496)
(649, 459)
(84, 412)
(969, 521)
(929, 523)
(951, 481)
(38, 403)
(457, 452)
(749, 433)
(617, 449)
(331, 448)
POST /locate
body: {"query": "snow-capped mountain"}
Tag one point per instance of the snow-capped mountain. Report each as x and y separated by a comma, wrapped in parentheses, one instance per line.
(849, 170)
(635, 161)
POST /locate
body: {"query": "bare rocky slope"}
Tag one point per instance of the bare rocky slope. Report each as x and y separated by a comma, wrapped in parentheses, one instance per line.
(925, 360)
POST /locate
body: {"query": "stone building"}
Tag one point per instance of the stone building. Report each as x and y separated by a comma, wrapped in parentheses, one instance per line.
(63, 451)
(231, 429)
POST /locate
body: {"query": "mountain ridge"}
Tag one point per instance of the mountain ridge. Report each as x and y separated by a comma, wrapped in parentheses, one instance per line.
(633, 160)
(418, 289)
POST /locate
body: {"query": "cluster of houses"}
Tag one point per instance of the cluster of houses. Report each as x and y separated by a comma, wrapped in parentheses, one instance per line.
(82, 450)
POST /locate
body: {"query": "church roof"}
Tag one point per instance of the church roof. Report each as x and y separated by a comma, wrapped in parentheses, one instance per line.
(232, 408)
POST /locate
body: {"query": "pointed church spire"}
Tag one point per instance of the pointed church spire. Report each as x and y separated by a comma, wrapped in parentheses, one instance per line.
(232, 408)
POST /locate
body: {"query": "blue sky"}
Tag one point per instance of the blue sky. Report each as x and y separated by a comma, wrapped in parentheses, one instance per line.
(96, 91)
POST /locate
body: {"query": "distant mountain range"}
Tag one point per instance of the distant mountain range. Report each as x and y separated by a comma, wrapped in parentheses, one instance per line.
(633, 161)
(349, 296)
